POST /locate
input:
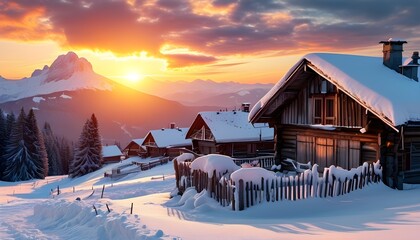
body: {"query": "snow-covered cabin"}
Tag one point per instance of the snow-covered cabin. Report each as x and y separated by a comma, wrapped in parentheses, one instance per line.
(343, 110)
(134, 148)
(111, 154)
(160, 142)
(229, 133)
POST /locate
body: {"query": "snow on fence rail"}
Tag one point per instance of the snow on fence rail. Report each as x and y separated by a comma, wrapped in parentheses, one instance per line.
(247, 187)
(263, 161)
(118, 172)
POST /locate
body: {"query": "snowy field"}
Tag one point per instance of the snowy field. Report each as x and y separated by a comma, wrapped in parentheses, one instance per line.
(31, 210)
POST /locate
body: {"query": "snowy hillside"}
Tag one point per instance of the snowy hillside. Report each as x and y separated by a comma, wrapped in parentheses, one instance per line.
(30, 210)
(68, 72)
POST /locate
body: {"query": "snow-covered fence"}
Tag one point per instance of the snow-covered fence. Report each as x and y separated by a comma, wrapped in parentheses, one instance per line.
(246, 187)
(263, 161)
(152, 164)
(254, 186)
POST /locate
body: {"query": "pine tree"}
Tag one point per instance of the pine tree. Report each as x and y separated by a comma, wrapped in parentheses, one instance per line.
(3, 138)
(36, 145)
(25, 156)
(53, 151)
(88, 153)
(10, 121)
(19, 165)
(66, 154)
(96, 138)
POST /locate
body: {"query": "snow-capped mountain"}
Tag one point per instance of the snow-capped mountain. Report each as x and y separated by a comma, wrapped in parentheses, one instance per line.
(69, 91)
(68, 72)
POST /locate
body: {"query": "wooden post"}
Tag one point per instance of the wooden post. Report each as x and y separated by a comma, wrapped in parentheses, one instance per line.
(267, 191)
(326, 183)
(103, 189)
(247, 194)
(241, 195)
(73, 189)
(96, 211)
(131, 210)
(58, 190)
(109, 210)
(251, 193)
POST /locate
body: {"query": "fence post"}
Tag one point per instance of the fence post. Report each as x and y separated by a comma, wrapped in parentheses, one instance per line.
(267, 191)
(326, 182)
(247, 194)
(241, 195)
(177, 177)
(96, 211)
(103, 189)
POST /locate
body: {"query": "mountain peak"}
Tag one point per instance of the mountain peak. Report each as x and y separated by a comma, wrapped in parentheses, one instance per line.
(64, 67)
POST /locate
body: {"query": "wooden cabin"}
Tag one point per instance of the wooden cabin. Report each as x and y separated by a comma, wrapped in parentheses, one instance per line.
(134, 148)
(111, 154)
(343, 110)
(162, 142)
(230, 133)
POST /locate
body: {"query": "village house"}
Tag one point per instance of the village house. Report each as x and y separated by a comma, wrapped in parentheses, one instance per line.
(343, 110)
(230, 133)
(111, 154)
(166, 141)
(134, 148)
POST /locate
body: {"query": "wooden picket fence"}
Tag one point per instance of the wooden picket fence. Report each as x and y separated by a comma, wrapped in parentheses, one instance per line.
(241, 195)
(263, 161)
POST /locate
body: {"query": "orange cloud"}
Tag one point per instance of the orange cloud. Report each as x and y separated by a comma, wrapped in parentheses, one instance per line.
(215, 28)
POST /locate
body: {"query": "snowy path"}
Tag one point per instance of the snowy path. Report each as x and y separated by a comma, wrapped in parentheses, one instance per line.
(17, 224)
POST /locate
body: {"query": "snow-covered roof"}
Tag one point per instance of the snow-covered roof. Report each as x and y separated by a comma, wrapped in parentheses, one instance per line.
(138, 141)
(233, 126)
(389, 95)
(111, 151)
(169, 137)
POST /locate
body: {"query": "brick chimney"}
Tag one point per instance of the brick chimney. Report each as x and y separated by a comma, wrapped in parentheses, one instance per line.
(392, 49)
(411, 70)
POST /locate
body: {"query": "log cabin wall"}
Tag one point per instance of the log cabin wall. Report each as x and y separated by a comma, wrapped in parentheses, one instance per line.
(346, 149)
(301, 110)
(320, 103)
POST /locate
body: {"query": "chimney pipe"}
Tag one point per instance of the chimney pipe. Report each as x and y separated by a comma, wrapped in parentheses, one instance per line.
(411, 70)
(392, 49)
(245, 107)
(415, 58)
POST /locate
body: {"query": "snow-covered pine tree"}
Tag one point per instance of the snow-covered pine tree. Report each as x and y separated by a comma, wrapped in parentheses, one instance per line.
(97, 143)
(66, 154)
(18, 162)
(36, 145)
(53, 151)
(86, 158)
(3, 139)
(10, 121)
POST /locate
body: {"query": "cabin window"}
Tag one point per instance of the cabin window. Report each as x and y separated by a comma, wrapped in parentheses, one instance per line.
(324, 110)
(318, 110)
(329, 111)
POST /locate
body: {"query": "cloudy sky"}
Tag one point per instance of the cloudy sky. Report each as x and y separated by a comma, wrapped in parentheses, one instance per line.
(222, 40)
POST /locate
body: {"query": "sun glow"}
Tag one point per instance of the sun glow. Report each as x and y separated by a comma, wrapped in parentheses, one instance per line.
(133, 77)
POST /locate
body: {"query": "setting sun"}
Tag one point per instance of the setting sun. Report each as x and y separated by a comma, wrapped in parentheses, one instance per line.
(133, 77)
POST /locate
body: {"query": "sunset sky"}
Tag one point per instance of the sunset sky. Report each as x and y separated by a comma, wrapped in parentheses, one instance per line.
(223, 40)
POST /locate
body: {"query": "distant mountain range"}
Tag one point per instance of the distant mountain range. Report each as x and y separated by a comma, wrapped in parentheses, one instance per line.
(66, 93)
(206, 92)
(69, 91)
